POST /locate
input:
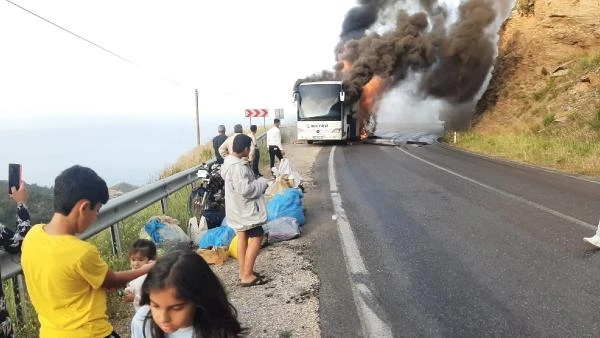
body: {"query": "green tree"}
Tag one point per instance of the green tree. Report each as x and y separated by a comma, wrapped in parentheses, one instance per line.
(39, 204)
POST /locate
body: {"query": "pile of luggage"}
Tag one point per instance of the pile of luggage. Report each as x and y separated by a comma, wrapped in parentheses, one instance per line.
(285, 218)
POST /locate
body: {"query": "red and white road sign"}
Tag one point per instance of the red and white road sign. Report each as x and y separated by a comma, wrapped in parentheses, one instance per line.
(257, 112)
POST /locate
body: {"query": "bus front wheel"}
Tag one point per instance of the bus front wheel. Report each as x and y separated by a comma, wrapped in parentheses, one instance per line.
(309, 142)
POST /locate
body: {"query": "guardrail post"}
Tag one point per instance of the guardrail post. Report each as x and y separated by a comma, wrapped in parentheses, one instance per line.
(164, 205)
(16, 283)
(115, 237)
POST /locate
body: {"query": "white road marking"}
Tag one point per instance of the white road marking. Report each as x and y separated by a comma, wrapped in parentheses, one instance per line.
(372, 323)
(504, 193)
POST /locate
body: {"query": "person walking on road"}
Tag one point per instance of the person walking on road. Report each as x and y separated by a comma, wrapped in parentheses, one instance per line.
(254, 156)
(274, 143)
(218, 141)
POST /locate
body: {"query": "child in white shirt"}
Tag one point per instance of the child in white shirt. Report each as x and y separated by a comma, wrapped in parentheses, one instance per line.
(141, 252)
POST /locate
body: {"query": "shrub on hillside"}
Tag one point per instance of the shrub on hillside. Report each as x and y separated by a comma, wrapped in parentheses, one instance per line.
(526, 7)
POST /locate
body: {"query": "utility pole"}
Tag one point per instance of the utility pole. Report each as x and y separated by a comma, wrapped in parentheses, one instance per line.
(197, 121)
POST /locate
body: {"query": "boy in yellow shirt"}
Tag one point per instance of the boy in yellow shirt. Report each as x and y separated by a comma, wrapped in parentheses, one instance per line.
(66, 277)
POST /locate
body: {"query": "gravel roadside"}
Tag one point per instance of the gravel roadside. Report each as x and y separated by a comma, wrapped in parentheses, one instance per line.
(287, 306)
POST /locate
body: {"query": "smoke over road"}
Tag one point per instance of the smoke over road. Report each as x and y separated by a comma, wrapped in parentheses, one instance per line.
(448, 45)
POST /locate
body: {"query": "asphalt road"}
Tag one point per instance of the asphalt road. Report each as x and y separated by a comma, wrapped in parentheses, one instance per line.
(457, 245)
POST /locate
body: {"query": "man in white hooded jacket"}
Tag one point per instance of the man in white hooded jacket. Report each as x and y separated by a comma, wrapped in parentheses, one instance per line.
(245, 208)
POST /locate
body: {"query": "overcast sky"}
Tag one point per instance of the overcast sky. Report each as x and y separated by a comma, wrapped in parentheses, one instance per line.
(237, 53)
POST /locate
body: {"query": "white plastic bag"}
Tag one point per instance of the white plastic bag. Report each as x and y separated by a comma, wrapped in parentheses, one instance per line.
(282, 229)
(196, 230)
(286, 169)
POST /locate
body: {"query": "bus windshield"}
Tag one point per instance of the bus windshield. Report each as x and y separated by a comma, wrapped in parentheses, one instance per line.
(319, 102)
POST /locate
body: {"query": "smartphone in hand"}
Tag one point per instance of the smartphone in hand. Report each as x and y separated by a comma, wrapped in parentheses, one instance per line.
(14, 176)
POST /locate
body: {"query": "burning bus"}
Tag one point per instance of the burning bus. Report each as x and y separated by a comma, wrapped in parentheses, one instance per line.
(323, 114)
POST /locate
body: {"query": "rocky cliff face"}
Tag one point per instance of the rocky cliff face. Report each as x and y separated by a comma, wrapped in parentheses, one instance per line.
(547, 47)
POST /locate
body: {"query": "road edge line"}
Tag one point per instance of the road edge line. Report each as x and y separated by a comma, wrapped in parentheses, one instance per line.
(369, 311)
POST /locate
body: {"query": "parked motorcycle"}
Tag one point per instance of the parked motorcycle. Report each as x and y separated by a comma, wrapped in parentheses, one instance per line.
(208, 198)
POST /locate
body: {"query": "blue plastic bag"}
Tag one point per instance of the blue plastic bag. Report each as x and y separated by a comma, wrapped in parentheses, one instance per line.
(286, 204)
(215, 237)
(152, 228)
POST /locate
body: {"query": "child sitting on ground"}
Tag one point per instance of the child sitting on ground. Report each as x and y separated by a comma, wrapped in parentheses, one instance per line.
(141, 252)
(183, 298)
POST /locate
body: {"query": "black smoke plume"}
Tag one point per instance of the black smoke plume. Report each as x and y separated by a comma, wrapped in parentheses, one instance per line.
(325, 75)
(465, 56)
(389, 55)
(454, 60)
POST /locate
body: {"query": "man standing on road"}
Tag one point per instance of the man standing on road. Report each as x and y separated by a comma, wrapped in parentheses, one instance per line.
(218, 141)
(254, 156)
(274, 143)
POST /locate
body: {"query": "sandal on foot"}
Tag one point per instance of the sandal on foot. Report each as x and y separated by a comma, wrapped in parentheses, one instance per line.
(255, 274)
(256, 281)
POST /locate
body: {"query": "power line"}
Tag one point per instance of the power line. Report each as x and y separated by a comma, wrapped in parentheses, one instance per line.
(72, 33)
(84, 39)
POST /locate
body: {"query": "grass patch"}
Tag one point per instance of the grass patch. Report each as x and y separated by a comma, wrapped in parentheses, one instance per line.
(29, 326)
(541, 93)
(548, 119)
(285, 334)
(595, 121)
(562, 153)
(589, 61)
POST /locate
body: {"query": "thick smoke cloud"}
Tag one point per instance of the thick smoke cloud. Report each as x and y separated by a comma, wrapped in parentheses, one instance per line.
(390, 55)
(454, 58)
(465, 57)
(325, 75)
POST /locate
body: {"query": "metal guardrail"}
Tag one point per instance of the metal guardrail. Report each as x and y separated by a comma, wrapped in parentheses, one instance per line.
(117, 209)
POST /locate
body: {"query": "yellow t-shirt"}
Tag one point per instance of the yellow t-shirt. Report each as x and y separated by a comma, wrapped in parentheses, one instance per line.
(64, 277)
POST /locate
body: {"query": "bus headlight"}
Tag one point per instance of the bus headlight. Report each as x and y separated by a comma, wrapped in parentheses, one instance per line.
(336, 131)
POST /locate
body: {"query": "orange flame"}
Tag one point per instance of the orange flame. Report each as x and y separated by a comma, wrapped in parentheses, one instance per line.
(370, 92)
(363, 134)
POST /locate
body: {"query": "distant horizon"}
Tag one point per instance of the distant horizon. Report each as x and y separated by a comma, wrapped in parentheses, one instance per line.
(2, 181)
(121, 149)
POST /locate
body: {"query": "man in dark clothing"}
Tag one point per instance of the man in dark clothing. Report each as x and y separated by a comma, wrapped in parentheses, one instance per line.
(254, 156)
(217, 141)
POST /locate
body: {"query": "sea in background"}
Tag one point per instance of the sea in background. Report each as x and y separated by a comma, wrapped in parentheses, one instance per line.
(129, 149)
